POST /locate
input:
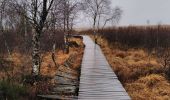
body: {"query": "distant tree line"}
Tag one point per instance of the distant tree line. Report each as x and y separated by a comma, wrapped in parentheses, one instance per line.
(150, 37)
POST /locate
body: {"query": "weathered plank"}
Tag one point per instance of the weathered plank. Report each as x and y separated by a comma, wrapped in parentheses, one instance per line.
(56, 97)
(97, 80)
(65, 80)
(65, 89)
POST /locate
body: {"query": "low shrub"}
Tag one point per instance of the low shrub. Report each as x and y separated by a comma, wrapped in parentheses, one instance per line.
(11, 91)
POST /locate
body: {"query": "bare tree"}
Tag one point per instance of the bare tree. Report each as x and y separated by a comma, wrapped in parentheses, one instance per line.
(95, 9)
(101, 12)
(69, 10)
(37, 12)
(54, 20)
(113, 16)
(4, 20)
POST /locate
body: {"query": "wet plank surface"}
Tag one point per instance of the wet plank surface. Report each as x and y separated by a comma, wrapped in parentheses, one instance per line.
(97, 80)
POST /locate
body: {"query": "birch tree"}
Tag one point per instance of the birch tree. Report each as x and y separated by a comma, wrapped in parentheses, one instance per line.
(94, 9)
(37, 12)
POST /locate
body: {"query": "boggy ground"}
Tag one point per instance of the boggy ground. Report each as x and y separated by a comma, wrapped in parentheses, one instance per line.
(15, 74)
(141, 74)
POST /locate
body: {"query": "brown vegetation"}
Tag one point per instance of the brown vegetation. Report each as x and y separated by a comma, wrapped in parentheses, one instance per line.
(141, 74)
(139, 68)
(18, 71)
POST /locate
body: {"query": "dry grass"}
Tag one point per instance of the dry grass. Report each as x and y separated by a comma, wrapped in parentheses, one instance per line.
(140, 73)
(48, 66)
(19, 66)
(150, 87)
(23, 62)
(22, 65)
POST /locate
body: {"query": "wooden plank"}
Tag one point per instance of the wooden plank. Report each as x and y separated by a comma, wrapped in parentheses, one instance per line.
(68, 69)
(65, 80)
(65, 88)
(56, 97)
(98, 81)
(66, 75)
(104, 97)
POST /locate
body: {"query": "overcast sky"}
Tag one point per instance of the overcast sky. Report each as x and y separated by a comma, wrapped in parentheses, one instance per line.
(137, 12)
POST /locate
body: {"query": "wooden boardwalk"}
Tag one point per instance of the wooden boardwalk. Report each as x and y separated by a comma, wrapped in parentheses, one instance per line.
(97, 80)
